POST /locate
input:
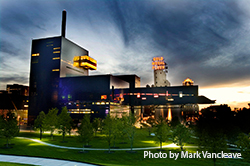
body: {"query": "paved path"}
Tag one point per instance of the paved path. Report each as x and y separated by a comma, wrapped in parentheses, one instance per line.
(40, 161)
(66, 147)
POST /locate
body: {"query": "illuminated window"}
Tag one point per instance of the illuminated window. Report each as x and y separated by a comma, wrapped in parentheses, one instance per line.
(56, 52)
(180, 94)
(37, 54)
(85, 62)
(103, 97)
(56, 58)
(156, 95)
(138, 95)
(56, 48)
(55, 69)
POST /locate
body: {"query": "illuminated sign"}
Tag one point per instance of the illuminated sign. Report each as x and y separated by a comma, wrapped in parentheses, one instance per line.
(158, 63)
(85, 62)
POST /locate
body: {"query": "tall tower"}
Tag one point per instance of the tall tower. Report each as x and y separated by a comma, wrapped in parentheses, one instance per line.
(160, 72)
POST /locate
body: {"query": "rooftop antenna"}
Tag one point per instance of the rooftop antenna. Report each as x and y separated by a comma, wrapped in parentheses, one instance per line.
(64, 13)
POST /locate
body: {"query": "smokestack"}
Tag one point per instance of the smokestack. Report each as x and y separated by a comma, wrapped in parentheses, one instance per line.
(63, 22)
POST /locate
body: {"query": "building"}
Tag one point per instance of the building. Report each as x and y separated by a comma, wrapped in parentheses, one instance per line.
(16, 100)
(160, 72)
(59, 76)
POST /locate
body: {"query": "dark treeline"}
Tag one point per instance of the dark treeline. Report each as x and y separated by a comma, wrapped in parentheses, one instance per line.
(219, 126)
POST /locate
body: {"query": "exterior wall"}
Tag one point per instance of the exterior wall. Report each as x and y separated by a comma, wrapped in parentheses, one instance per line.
(118, 83)
(15, 103)
(68, 51)
(51, 58)
(160, 95)
(18, 89)
(160, 78)
(83, 95)
(88, 88)
(134, 80)
(44, 75)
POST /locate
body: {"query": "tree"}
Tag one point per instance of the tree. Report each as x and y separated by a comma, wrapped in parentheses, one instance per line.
(129, 128)
(51, 121)
(10, 127)
(180, 135)
(162, 131)
(64, 121)
(39, 122)
(244, 145)
(117, 129)
(85, 131)
(150, 121)
(1, 125)
(213, 141)
(96, 124)
(108, 130)
(122, 134)
(174, 122)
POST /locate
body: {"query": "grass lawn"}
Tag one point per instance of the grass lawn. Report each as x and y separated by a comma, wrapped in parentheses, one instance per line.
(12, 164)
(30, 148)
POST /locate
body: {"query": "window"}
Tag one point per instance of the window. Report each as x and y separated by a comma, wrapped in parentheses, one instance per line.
(37, 54)
(56, 52)
(180, 94)
(55, 69)
(55, 58)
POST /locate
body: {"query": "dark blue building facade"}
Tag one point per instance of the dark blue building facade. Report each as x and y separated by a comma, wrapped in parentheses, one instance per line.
(56, 82)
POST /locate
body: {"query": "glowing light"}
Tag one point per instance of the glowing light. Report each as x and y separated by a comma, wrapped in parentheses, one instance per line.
(158, 63)
(169, 115)
(56, 58)
(37, 54)
(103, 97)
(85, 62)
(144, 98)
(56, 52)
(188, 82)
(55, 69)
(156, 95)
(138, 95)
(56, 48)
(180, 94)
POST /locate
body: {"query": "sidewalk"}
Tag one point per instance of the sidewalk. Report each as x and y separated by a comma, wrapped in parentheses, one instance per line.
(40, 161)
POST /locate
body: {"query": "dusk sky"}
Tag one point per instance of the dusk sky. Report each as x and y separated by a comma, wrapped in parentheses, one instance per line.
(205, 40)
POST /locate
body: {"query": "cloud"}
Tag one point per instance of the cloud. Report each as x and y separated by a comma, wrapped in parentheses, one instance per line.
(8, 48)
(13, 79)
(196, 39)
(207, 41)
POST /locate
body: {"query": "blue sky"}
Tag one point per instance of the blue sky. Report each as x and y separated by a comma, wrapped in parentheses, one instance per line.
(207, 41)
